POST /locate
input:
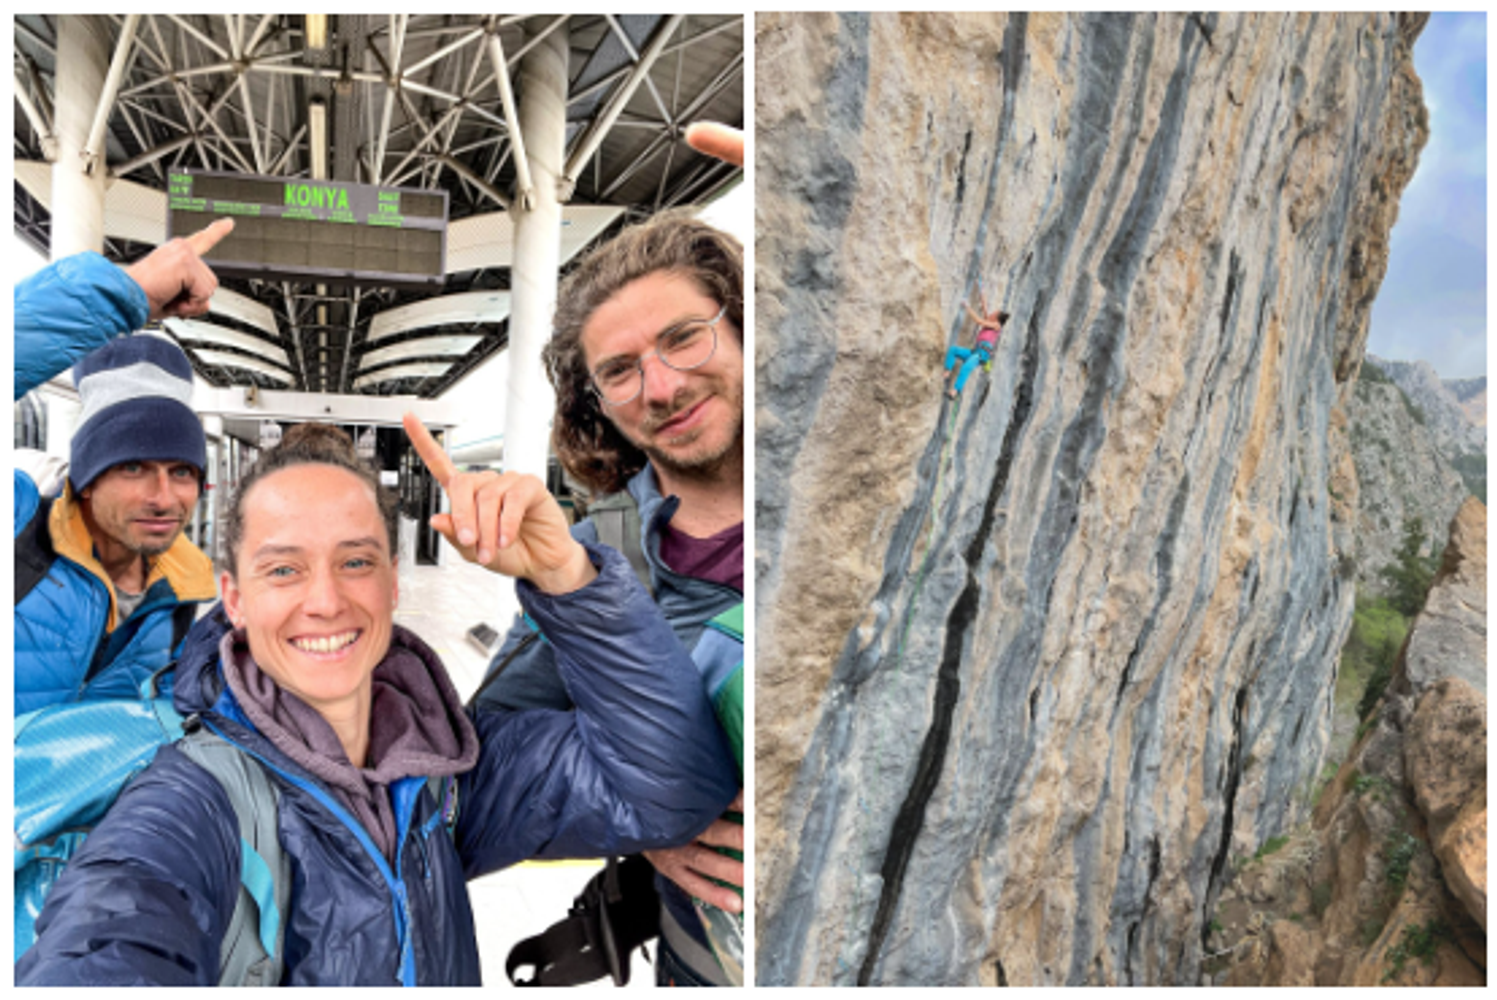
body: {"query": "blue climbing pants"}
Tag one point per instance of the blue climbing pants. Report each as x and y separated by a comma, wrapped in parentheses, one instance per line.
(974, 358)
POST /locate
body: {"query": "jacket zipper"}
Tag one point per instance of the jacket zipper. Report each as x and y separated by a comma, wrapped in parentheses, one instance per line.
(395, 885)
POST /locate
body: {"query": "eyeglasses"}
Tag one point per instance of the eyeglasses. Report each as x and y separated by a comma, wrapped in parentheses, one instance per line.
(690, 345)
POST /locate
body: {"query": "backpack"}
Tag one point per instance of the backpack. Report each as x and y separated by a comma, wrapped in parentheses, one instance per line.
(616, 516)
(71, 763)
(619, 909)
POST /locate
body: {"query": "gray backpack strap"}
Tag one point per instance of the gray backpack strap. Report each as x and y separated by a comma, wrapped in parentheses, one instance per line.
(253, 952)
(616, 516)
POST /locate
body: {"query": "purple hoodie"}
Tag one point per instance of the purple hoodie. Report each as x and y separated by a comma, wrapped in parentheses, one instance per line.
(417, 727)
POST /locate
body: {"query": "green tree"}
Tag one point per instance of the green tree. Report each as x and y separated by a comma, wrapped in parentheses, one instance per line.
(1410, 573)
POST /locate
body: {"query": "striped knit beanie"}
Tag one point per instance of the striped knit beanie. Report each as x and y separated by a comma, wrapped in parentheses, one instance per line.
(137, 395)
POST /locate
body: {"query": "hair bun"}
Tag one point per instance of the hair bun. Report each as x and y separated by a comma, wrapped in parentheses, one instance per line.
(319, 439)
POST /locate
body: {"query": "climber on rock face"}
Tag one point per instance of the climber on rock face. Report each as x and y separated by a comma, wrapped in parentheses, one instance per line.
(989, 326)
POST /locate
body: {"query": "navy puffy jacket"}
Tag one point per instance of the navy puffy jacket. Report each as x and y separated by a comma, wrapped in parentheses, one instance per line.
(640, 764)
(532, 680)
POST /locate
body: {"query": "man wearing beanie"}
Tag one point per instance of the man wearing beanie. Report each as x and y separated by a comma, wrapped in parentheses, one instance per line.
(106, 585)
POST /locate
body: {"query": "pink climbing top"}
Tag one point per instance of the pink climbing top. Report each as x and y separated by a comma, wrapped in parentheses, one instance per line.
(986, 337)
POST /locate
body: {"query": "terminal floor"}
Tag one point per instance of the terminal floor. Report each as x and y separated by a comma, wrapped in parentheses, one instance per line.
(440, 604)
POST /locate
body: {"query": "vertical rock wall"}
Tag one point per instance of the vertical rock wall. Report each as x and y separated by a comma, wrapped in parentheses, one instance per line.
(1032, 667)
(1401, 473)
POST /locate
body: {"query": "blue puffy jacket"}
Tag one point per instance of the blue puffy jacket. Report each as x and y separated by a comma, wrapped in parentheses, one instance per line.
(637, 765)
(69, 644)
(532, 680)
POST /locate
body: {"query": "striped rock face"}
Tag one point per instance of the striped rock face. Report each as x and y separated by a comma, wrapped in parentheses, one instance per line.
(1034, 667)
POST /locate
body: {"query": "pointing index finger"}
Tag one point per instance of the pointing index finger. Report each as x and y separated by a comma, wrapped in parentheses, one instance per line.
(715, 139)
(207, 238)
(426, 446)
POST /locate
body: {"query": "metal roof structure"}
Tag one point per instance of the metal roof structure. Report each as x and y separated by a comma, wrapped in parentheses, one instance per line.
(400, 100)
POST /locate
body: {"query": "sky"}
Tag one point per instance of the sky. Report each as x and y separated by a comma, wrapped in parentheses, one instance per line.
(1433, 304)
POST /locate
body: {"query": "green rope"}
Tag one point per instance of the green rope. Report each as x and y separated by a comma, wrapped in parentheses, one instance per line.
(909, 615)
(935, 509)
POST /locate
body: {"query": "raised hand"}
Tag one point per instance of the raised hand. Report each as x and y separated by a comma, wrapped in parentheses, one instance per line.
(721, 141)
(174, 277)
(505, 522)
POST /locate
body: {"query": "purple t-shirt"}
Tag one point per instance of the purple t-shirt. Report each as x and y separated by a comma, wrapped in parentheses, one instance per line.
(718, 559)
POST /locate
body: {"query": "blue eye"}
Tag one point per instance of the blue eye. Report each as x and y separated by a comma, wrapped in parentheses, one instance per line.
(359, 562)
(280, 572)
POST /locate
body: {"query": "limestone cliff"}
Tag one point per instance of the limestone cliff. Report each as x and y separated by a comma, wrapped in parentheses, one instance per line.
(1031, 668)
(1401, 473)
(1388, 883)
(1454, 410)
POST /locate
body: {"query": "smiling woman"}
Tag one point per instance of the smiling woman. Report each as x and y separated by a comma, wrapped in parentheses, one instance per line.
(389, 795)
(316, 592)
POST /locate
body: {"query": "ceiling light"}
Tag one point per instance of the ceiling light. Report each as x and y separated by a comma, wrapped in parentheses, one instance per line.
(316, 31)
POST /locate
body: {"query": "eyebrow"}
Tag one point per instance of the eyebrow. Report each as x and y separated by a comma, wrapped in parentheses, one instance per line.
(676, 325)
(291, 550)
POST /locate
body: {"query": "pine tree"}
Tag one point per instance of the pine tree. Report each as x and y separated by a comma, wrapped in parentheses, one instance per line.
(1410, 573)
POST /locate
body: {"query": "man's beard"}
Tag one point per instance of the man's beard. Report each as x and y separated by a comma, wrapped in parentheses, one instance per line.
(690, 463)
(151, 547)
(703, 465)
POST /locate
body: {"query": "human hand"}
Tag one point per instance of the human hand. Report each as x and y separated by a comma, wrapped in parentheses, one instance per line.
(692, 866)
(721, 141)
(505, 522)
(174, 277)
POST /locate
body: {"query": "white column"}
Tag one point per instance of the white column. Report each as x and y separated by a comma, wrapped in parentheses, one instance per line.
(77, 198)
(537, 257)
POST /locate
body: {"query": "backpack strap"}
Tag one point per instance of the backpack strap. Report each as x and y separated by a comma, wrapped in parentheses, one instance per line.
(617, 912)
(499, 668)
(444, 791)
(34, 552)
(253, 952)
(730, 622)
(183, 615)
(616, 516)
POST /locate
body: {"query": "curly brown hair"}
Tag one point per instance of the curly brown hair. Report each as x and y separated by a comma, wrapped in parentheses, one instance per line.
(589, 447)
(321, 444)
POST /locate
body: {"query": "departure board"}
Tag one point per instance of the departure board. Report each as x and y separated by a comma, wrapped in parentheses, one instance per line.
(304, 230)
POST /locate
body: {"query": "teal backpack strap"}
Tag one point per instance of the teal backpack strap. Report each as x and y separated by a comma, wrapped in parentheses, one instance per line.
(719, 659)
(730, 622)
(253, 952)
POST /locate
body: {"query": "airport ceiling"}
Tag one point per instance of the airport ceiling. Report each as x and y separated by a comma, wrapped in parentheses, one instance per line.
(409, 101)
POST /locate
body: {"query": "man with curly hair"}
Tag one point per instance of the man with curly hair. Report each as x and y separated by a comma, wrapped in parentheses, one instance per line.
(647, 361)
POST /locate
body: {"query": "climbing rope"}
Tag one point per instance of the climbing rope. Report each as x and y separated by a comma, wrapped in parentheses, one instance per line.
(935, 508)
(944, 461)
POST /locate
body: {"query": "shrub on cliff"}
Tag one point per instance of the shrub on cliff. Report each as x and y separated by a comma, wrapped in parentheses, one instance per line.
(1410, 573)
(1473, 469)
(1377, 632)
(1373, 375)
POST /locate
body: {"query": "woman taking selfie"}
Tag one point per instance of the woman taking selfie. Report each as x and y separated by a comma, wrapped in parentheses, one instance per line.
(356, 726)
